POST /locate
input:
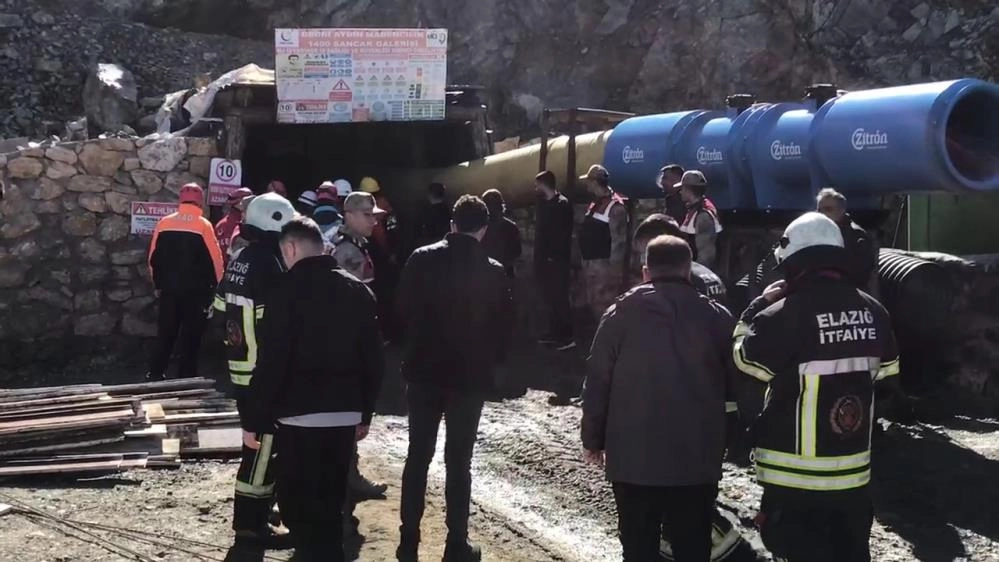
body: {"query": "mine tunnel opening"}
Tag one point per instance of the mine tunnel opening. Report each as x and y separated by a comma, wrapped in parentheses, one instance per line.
(303, 156)
(972, 135)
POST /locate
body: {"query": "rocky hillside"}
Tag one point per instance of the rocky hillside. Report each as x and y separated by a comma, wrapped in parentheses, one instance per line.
(638, 55)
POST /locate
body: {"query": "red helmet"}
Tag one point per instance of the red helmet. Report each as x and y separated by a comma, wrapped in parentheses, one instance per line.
(193, 194)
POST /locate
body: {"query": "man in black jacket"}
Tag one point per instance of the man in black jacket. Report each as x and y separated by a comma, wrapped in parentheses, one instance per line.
(861, 247)
(552, 252)
(502, 238)
(435, 218)
(320, 406)
(457, 306)
(654, 404)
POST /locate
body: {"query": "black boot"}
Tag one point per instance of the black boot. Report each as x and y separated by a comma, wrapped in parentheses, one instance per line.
(462, 552)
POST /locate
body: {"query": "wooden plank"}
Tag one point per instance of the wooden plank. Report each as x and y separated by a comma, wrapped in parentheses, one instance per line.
(175, 394)
(57, 447)
(220, 438)
(69, 467)
(4, 406)
(158, 386)
(39, 394)
(153, 411)
(196, 418)
(170, 447)
(158, 429)
(57, 422)
(76, 409)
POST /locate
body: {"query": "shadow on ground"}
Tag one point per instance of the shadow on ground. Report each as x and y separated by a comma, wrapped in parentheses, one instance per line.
(927, 487)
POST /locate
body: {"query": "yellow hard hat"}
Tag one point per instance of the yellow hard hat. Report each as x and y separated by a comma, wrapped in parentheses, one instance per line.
(369, 185)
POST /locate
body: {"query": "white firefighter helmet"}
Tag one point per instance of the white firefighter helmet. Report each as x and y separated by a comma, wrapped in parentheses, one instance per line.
(269, 212)
(807, 231)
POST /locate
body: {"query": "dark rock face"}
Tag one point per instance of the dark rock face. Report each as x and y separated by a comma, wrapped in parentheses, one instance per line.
(109, 97)
(632, 55)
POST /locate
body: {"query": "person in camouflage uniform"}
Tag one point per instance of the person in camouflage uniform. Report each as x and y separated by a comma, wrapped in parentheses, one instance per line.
(603, 242)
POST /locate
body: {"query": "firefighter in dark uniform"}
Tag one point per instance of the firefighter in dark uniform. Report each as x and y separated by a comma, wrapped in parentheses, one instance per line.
(249, 278)
(726, 541)
(819, 345)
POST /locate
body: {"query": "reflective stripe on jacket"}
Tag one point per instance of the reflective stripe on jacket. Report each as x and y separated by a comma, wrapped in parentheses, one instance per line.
(820, 351)
(242, 296)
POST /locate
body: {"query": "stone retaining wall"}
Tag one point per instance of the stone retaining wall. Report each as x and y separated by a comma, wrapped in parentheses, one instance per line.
(68, 263)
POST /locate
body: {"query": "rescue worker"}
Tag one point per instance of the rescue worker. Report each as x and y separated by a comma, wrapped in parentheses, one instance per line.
(327, 216)
(552, 257)
(350, 245)
(818, 345)
(277, 186)
(654, 406)
(185, 263)
(385, 233)
(387, 256)
(237, 242)
(457, 304)
(307, 202)
(701, 224)
(350, 248)
(320, 407)
(502, 238)
(669, 176)
(227, 224)
(726, 541)
(861, 247)
(342, 189)
(435, 217)
(243, 301)
(603, 241)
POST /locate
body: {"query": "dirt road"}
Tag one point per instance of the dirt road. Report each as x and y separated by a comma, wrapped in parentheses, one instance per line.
(534, 499)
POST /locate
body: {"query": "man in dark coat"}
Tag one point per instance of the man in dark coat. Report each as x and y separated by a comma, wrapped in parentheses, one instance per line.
(502, 239)
(316, 386)
(860, 246)
(654, 406)
(457, 306)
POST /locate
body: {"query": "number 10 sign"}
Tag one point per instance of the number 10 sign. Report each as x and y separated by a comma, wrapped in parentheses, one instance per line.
(226, 177)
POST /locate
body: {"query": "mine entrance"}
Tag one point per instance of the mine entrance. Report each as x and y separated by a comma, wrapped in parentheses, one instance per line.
(303, 156)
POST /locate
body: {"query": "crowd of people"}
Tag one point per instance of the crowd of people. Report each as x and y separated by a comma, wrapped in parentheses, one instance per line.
(798, 368)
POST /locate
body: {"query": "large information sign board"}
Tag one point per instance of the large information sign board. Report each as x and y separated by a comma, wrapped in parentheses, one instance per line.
(351, 75)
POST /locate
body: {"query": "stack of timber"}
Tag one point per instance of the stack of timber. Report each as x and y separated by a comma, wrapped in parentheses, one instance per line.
(95, 429)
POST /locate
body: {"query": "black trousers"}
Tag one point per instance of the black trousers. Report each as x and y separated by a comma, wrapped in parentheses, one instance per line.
(800, 530)
(686, 510)
(462, 412)
(254, 498)
(312, 483)
(181, 315)
(553, 285)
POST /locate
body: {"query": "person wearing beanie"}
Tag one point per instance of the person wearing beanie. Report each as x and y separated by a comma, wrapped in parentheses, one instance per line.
(435, 218)
(185, 263)
(226, 226)
(306, 202)
(327, 216)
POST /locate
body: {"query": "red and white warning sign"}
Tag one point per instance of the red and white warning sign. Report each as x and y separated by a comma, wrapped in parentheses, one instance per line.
(341, 91)
(145, 215)
(226, 177)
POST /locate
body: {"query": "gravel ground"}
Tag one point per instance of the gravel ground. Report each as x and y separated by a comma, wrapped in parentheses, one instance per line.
(534, 497)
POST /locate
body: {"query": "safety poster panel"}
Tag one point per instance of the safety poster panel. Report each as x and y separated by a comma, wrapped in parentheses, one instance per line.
(355, 75)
